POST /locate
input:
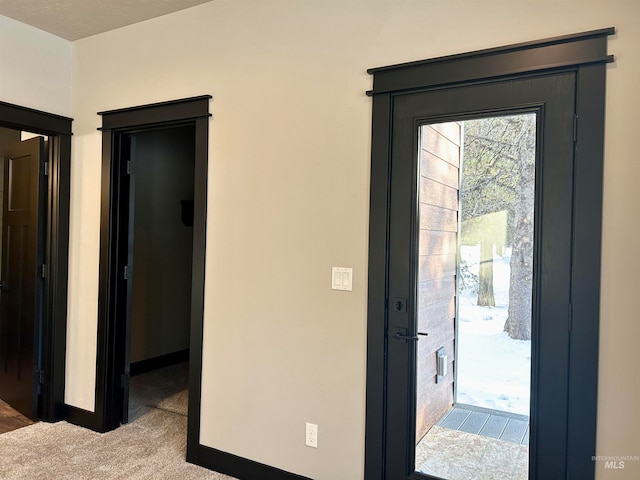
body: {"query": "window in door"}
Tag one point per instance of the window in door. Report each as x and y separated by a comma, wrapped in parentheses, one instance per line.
(476, 236)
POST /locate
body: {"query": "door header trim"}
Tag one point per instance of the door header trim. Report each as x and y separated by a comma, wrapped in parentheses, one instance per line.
(36, 121)
(549, 54)
(187, 109)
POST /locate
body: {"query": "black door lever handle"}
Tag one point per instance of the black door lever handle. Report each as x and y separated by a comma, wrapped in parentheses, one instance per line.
(401, 337)
(3, 285)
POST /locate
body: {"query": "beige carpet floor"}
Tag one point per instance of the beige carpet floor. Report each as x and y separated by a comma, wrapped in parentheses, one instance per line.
(152, 446)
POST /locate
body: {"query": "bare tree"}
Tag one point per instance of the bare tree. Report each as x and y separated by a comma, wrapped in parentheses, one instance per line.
(498, 175)
(518, 324)
(486, 297)
(487, 187)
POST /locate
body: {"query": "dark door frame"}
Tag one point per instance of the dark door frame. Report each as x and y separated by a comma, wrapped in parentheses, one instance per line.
(116, 125)
(54, 316)
(586, 55)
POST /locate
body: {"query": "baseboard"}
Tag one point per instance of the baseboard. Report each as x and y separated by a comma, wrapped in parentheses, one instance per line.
(241, 468)
(154, 363)
(82, 418)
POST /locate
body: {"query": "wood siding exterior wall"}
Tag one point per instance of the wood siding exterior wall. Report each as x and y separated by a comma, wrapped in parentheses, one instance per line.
(440, 152)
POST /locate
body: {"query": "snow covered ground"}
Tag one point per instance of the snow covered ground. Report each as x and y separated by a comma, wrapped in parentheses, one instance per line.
(493, 369)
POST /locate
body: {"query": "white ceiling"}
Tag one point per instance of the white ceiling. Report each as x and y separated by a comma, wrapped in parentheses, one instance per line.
(74, 19)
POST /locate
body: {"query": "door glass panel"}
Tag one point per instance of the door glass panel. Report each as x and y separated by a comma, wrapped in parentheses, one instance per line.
(474, 296)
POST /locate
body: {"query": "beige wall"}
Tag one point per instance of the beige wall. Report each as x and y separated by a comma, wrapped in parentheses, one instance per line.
(288, 199)
(35, 68)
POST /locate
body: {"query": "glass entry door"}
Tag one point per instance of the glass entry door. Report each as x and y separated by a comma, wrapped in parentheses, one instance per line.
(478, 281)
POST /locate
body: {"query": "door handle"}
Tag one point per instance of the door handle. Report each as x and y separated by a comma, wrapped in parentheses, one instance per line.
(400, 335)
(3, 285)
(406, 338)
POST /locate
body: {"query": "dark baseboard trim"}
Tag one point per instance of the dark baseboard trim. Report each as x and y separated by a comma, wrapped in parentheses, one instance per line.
(162, 361)
(82, 418)
(241, 468)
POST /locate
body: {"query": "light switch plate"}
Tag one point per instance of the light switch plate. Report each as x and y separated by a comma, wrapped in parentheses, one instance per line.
(342, 278)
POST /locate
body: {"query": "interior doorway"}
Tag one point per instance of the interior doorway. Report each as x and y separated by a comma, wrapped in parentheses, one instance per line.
(158, 212)
(24, 194)
(35, 235)
(48, 381)
(151, 290)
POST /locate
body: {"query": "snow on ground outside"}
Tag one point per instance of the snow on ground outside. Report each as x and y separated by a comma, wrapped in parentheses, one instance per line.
(493, 369)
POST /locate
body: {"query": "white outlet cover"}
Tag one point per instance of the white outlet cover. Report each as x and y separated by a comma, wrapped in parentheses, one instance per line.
(342, 278)
(311, 439)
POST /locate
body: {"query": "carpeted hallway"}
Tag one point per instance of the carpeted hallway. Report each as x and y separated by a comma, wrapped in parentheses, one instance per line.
(152, 446)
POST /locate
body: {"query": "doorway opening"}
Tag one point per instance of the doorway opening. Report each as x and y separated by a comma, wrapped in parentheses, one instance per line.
(152, 255)
(475, 292)
(23, 193)
(160, 168)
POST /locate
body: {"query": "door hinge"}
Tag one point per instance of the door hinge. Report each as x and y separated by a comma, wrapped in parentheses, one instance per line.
(43, 271)
(124, 380)
(46, 168)
(575, 128)
(129, 167)
(40, 377)
(126, 272)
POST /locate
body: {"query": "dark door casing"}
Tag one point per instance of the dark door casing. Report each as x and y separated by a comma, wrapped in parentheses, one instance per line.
(23, 224)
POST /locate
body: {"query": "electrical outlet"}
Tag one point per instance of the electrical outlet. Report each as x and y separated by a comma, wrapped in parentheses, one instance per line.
(312, 435)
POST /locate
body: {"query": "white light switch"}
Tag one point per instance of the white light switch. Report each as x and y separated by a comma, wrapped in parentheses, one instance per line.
(342, 278)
